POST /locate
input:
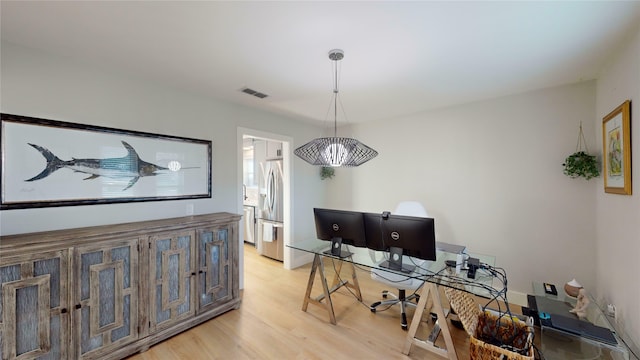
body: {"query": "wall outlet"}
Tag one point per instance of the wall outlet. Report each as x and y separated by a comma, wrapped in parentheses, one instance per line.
(190, 209)
(611, 310)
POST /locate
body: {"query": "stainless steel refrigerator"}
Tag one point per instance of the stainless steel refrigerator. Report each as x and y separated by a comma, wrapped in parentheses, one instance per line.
(270, 210)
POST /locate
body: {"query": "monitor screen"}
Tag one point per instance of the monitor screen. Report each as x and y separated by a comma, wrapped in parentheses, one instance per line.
(340, 227)
(401, 235)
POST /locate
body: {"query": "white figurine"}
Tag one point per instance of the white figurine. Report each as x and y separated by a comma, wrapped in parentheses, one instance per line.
(581, 306)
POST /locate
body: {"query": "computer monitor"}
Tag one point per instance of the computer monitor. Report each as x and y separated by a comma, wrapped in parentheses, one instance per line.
(401, 235)
(340, 227)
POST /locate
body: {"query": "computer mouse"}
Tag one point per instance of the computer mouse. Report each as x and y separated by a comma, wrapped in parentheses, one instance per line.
(544, 316)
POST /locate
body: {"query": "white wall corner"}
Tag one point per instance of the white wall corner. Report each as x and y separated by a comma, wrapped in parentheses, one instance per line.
(517, 298)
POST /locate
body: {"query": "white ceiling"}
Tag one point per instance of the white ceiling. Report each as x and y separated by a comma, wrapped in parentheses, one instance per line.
(400, 57)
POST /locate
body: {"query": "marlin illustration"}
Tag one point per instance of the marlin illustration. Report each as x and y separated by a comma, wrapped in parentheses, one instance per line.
(130, 166)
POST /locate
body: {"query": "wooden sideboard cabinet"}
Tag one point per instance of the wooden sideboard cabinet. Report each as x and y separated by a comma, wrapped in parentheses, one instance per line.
(109, 291)
(34, 308)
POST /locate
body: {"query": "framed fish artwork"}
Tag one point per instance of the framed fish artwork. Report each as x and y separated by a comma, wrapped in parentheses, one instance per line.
(48, 163)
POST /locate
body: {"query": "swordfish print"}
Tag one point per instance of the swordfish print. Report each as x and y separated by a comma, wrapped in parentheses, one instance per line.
(129, 166)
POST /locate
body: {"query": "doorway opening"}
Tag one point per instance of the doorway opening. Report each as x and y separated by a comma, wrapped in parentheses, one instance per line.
(265, 176)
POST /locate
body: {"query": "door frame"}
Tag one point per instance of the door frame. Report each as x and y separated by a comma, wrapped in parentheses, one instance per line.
(287, 184)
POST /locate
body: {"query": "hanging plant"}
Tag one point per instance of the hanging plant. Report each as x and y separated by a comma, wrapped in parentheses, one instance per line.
(580, 163)
(327, 172)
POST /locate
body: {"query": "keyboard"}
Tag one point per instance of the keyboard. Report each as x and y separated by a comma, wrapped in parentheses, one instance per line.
(583, 328)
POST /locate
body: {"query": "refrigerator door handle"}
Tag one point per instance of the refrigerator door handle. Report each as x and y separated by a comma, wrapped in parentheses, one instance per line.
(271, 191)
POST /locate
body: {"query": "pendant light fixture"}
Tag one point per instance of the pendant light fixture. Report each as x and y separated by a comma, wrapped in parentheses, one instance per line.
(335, 151)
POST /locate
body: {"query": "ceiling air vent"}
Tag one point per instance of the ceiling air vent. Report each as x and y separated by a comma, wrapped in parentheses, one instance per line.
(254, 93)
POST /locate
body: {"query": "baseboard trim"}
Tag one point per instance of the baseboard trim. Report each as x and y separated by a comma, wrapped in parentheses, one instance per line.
(301, 260)
(517, 298)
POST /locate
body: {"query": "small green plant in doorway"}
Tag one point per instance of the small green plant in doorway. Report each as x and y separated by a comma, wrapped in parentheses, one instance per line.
(327, 172)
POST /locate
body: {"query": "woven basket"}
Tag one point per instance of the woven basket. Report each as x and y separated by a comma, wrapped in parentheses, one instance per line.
(487, 324)
(479, 323)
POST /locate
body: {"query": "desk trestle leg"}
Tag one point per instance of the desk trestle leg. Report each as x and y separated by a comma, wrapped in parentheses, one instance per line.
(354, 279)
(430, 290)
(318, 266)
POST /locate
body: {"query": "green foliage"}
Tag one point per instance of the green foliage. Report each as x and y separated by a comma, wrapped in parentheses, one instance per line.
(581, 164)
(327, 172)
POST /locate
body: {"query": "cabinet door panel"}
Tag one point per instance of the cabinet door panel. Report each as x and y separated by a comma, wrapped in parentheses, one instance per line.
(172, 271)
(214, 266)
(33, 307)
(106, 297)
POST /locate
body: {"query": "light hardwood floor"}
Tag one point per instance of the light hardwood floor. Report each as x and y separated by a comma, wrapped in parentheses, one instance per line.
(271, 325)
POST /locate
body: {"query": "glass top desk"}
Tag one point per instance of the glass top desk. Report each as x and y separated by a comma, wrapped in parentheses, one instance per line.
(558, 344)
(434, 273)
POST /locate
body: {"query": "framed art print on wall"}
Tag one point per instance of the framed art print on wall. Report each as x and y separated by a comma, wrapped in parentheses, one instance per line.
(616, 150)
(49, 163)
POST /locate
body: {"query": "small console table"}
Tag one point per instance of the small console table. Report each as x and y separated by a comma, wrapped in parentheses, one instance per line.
(558, 344)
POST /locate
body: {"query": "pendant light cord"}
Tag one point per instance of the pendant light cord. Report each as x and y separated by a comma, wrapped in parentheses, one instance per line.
(335, 99)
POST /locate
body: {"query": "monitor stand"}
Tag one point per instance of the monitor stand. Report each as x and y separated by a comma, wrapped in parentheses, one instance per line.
(336, 249)
(395, 261)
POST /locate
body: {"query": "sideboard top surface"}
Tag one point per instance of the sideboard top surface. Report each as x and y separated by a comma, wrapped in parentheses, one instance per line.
(56, 239)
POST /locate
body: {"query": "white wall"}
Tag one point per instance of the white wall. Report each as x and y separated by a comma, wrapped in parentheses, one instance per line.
(490, 173)
(39, 85)
(618, 228)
